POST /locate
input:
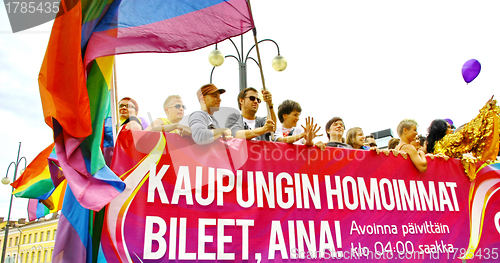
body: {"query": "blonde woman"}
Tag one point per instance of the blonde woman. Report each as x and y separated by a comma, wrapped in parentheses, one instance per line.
(407, 131)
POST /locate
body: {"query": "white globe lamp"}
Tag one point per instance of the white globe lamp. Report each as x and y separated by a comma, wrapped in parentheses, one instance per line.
(216, 58)
(6, 180)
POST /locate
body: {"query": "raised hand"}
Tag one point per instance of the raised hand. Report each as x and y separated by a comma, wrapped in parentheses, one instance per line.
(311, 130)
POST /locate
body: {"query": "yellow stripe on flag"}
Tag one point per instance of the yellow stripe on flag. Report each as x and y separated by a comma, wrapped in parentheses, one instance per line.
(106, 66)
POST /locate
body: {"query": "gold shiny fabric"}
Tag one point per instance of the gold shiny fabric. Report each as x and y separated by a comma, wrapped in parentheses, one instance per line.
(477, 141)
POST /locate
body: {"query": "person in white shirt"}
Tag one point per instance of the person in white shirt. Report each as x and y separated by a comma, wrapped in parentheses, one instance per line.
(247, 125)
(288, 132)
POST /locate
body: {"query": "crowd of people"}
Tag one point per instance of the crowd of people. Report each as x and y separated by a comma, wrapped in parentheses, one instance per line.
(477, 139)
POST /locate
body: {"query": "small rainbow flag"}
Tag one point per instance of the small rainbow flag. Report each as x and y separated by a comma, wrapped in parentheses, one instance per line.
(35, 182)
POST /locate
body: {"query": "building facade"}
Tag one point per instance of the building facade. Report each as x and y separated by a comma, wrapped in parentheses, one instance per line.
(30, 243)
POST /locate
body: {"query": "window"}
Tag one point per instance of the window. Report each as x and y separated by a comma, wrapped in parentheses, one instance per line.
(54, 234)
(45, 256)
(17, 239)
(29, 239)
(48, 235)
(27, 256)
(24, 241)
(39, 256)
(21, 258)
(33, 257)
(10, 242)
(41, 237)
(36, 237)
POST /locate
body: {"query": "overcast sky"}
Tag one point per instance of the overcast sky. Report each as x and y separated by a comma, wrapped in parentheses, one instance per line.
(373, 63)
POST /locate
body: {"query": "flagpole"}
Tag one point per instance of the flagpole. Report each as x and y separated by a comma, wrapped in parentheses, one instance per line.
(254, 30)
(114, 101)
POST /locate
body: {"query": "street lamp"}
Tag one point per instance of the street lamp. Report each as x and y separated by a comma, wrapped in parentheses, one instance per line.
(6, 181)
(216, 58)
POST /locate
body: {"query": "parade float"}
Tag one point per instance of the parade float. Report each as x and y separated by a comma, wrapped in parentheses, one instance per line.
(165, 198)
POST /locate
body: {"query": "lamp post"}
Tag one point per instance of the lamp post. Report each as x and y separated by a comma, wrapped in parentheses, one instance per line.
(6, 181)
(216, 58)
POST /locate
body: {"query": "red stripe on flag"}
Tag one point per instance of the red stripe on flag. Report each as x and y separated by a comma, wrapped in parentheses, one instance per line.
(62, 79)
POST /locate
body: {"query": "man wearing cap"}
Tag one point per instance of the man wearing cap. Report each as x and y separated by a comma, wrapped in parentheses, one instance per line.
(246, 125)
(174, 109)
(204, 127)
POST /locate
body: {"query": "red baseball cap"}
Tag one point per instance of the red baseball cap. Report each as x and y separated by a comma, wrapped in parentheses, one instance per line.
(209, 89)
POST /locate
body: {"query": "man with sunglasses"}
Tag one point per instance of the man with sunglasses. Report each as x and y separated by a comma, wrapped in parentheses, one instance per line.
(205, 128)
(246, 125)
(174, 109)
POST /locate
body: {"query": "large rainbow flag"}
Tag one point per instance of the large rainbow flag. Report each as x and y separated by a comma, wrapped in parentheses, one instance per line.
(74, 84)
(74, 106)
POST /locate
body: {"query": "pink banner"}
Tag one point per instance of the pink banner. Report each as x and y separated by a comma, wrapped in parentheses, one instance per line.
(250, 201)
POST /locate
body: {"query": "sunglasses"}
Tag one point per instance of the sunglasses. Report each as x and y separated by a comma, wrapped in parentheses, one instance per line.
(253, 98)
(178, 106)
(130, 106)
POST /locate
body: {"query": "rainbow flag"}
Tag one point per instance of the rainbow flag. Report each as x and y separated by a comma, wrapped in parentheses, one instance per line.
(75, 91)
(73, 240)
(61, 69)
(103, 28)
(36, 209)
(42, 183)
(39, 208)
(166, 26)
(79, 225)
(35, 182)
(65, 94)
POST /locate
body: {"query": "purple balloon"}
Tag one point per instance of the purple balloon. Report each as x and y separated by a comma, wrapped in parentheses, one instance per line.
(144, 122)
(470, 70)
